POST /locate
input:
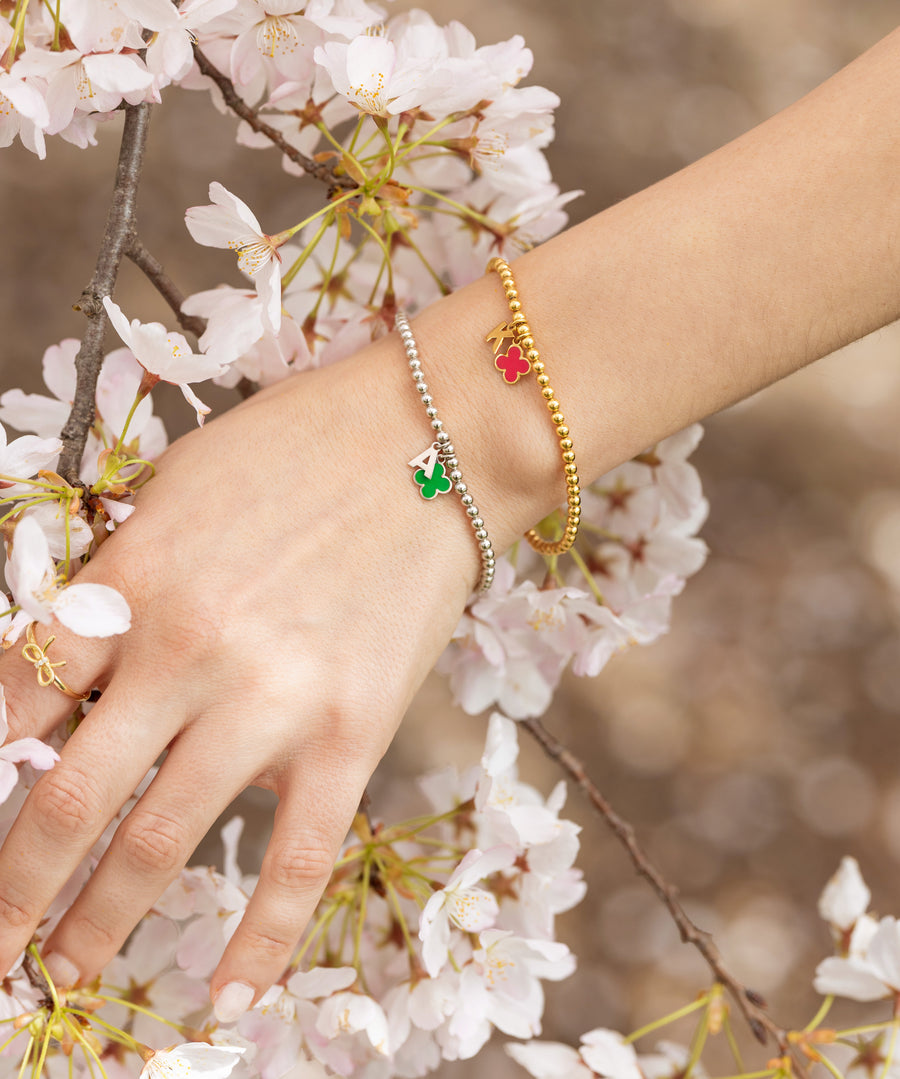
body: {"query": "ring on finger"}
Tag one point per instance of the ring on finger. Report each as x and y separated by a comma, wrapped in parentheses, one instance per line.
(46, 670)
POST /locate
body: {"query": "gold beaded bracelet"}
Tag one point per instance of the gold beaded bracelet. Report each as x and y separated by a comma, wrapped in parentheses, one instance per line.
(521, 357)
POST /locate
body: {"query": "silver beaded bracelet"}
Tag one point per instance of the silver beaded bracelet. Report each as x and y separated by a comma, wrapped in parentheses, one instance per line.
(436, 470)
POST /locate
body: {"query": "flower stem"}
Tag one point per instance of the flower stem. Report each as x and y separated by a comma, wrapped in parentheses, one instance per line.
(672, 1017)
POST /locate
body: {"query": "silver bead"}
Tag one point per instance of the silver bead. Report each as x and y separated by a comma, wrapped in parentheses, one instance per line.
(415, 365)
(427, 399)
(442, 437)
(480, 533)
(467, 500)
(452, 462)
(418, 376)
(449, 449)
(412, 352)
(478, 523)
(431, 412)
(437, 424)
(471, 508)
(461, 488)
(455, 475)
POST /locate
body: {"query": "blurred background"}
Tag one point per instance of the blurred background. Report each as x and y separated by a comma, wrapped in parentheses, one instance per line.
(758, 741)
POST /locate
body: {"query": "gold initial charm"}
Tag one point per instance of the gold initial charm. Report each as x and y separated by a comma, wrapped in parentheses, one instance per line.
(498, 335)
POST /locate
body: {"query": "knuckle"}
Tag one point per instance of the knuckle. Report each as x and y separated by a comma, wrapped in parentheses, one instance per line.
(95, 937)
(267, 943)
(13, 913)
(65, 801)
(295, 866)
(153, 841)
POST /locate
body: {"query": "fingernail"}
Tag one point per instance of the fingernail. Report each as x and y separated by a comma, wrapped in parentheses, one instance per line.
(232, 1001)
(63, 973)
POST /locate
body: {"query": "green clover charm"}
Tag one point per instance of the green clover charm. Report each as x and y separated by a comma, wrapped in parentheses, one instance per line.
(435, 484)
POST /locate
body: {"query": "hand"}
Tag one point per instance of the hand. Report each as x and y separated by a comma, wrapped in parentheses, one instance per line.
(289, 592)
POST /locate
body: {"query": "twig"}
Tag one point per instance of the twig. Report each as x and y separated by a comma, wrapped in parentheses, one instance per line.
(319, 170)
(747, 1000)
(165, 286)
(117, 236)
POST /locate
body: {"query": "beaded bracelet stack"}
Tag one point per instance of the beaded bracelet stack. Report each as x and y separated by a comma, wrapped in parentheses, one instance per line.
(436, 469)
(521, 357)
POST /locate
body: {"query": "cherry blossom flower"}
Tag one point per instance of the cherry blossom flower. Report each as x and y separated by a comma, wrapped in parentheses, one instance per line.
(169, 54)
(91, 610)
(461, 903)
(37, 753)
(369, 73)
(871, 971)
(845, 898)
(23, 112)
(165, 355)
(192, 1059)
(22, 458)
(80, 83)
(230, 223)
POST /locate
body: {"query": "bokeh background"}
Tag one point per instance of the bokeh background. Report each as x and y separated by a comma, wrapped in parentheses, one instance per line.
(758, 741)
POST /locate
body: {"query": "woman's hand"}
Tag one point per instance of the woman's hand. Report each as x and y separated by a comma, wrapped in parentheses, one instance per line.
(289, 592)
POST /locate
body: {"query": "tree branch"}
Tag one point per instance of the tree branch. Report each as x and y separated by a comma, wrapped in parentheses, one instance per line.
(117, 237)
(319, 170)
(749, 1002)
(165, 286)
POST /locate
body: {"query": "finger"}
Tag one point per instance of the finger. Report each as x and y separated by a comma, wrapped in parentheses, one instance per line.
(34, 709)
(151, 846)
(69, 806)
(313, 817)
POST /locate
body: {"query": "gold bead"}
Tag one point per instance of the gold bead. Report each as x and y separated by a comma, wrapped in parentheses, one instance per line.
(547, 391)
(527, 342)
(538, 365)
(515, 305)
(572, 481)
(553, 405)
(543, 380)
(571, 470)
(566, 443)
(511, 293)
(533, 355)
(568, 456)
(522, 328)
(574, 499)
(518, 317)
(563, 432)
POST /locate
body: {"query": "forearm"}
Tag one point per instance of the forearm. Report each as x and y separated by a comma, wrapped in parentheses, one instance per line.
(754, 261)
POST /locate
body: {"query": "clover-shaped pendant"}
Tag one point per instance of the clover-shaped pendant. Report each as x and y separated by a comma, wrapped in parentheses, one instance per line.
(512, 364)
(436, 484)
(430, 476)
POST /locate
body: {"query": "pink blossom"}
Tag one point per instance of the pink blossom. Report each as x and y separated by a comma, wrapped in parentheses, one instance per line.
(92, 610)
(461, 903)
(166, 355)
(230, 223)
(38, 754)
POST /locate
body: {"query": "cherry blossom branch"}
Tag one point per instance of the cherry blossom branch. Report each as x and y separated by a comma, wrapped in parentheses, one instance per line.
(152, 268)
(117, 237)
(750, 1003)
(233, 100)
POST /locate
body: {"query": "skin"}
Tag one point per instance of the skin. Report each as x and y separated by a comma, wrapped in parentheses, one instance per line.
(769, 253)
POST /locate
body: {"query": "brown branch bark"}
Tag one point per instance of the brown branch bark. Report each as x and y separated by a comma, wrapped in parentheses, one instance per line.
(235, 102)
(117, 236)
(749, 1002)
(152, 268)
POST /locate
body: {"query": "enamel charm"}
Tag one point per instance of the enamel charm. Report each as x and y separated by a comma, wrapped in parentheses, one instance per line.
(429, 475)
